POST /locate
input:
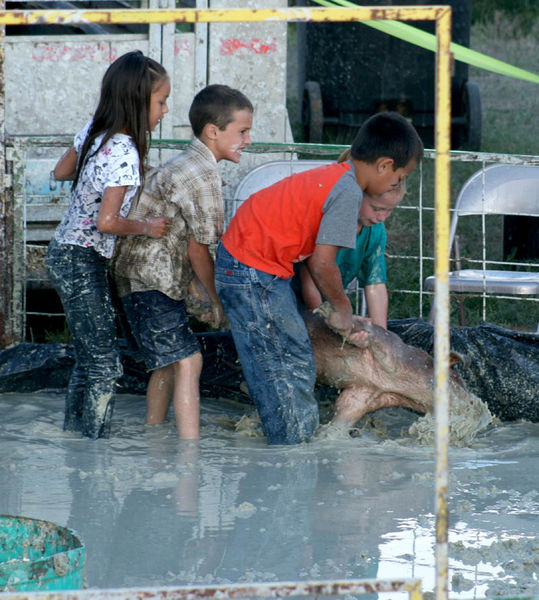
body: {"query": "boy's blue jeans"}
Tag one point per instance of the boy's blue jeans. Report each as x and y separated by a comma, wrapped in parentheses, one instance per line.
(273, 346)
(80, 276)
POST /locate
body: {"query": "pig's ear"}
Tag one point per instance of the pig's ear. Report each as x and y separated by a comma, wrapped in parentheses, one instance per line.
(455, 357)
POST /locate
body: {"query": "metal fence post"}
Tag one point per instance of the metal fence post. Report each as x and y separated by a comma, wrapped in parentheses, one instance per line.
(441, 333)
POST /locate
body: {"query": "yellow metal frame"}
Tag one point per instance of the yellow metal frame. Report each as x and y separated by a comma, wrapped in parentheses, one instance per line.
(442, 16)
(216, 15)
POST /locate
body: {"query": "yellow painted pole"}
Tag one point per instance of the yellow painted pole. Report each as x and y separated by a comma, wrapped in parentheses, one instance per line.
(441, 300)
(214, 15)
(414, 592)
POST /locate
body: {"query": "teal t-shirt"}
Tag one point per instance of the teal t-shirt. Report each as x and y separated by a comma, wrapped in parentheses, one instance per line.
(367, 261)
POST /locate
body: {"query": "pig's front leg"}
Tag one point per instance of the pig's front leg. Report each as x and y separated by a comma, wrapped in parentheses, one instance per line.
(352, 403)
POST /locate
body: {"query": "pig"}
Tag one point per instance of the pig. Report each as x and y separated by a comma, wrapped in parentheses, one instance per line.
(379, 370)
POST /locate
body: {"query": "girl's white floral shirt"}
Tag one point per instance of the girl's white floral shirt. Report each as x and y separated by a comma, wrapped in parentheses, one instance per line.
(116, 164)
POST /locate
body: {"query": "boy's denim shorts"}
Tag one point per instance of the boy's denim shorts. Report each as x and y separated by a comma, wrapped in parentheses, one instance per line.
(161, 328)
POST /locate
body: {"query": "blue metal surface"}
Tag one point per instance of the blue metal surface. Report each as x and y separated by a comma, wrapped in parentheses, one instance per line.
(38, 555)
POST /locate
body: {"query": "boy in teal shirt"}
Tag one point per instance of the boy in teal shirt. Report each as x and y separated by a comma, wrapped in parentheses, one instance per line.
(366, 261)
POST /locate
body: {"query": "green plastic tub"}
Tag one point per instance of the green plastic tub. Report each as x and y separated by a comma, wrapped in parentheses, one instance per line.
(38, 555)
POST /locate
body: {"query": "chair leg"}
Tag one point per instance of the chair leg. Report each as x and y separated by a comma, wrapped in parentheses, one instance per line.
(363, 304)
(431, 313)
(462, 313)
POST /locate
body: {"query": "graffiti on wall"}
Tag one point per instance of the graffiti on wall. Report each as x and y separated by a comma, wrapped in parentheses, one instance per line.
(237, 46)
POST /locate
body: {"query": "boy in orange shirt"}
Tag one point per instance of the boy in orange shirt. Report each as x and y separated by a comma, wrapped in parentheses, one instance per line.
(305, 217)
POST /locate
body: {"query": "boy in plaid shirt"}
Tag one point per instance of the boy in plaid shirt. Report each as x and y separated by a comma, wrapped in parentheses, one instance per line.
(153, 275)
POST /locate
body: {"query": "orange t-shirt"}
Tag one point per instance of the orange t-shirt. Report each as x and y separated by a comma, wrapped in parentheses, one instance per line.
(278, 225)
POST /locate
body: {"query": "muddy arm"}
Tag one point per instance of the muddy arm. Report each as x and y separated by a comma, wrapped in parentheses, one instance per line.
(203, 266)
(377, 303)
(66, 167)
(309, 291)
(328, 280)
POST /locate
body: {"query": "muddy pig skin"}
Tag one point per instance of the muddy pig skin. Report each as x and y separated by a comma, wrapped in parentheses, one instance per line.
(386, 372)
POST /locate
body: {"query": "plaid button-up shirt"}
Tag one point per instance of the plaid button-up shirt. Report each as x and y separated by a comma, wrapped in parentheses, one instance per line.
(187, 189)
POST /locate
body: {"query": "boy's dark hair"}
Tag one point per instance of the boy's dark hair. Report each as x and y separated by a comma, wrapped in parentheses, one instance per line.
(124, 103)
(387, 134)
(216, 104)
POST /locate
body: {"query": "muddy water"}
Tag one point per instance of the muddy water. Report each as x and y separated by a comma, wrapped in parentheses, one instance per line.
(152, 511)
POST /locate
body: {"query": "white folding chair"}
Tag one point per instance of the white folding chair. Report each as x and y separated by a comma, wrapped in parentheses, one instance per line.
(269, 173)
(496, 189)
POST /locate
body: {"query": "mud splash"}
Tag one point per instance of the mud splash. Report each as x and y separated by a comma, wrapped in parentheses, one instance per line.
(466, 420)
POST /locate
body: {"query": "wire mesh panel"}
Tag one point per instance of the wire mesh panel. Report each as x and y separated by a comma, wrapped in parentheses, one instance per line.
(410, 233)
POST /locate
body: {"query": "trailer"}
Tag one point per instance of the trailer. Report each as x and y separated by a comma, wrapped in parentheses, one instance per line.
(349, 71)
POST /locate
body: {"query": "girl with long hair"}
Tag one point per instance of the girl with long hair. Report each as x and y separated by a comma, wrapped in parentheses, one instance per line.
(106, 164)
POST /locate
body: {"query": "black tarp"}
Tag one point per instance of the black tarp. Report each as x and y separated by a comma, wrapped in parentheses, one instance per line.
(31, 367)
(502, 366)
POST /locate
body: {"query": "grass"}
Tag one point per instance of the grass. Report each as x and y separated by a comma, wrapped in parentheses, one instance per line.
(62, 336)
(509, 105)
(509, 126)
(522, 15)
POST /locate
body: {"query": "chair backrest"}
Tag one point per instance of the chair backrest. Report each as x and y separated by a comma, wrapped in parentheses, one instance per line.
(498, 189)
(269, 173)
